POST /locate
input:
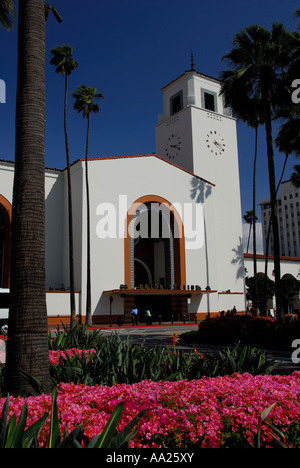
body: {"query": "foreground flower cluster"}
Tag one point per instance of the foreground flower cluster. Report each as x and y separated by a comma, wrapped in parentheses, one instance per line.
(179, 413)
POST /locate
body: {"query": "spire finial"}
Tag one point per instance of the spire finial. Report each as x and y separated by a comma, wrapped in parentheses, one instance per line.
(192, 61)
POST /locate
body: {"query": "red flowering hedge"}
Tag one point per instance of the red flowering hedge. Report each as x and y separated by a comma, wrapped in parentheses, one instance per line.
(179, 413)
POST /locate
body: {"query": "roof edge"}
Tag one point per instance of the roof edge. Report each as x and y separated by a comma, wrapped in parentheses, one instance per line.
(271, 257)
(194, 72)
(153, 155)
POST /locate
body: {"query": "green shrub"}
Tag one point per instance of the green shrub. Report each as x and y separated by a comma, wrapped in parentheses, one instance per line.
(262, 332)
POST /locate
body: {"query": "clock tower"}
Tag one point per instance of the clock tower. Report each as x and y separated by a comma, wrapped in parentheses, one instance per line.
(198, 133)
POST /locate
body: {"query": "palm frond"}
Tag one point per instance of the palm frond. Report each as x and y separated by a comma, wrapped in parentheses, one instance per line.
(8, 14)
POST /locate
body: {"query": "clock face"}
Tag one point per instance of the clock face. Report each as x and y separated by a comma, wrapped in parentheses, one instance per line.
(215, 143)
(173, 146)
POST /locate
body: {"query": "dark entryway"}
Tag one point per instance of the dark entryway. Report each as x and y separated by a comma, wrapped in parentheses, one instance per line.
(159, 306)
(163, 307)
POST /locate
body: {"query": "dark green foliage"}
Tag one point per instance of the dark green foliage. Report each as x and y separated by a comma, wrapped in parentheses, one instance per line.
(225, 361)
(262, 289)
(118, 360)
(75, 337)
(262, 332)
(290, 287)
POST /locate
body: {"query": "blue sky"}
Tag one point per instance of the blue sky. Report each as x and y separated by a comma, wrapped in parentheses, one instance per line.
(129, 50)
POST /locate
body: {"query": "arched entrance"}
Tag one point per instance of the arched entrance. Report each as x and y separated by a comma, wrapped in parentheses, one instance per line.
(154, 257)
(5, 230)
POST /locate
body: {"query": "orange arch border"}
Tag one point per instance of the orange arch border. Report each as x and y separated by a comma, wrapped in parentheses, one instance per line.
(6, 210)
(154, 199)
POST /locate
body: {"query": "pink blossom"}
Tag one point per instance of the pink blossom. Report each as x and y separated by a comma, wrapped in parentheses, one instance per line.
(178, 412)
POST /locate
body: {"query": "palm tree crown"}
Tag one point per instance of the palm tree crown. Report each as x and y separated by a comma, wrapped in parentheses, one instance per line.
(258, 59)
(63, 60)
(85, 100)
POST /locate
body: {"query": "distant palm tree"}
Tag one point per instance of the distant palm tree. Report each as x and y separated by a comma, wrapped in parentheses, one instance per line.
(260, 57)
(85, 103)
(7, 14)
(27, 343)
(63, 60)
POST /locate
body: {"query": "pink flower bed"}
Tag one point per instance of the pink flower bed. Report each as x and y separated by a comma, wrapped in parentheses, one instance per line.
(54, 356)
(178, 413)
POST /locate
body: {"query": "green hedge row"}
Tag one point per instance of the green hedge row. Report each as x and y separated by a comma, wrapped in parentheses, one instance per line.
(256, 331)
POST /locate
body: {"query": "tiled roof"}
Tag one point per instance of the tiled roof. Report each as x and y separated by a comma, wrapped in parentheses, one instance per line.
(152, 155)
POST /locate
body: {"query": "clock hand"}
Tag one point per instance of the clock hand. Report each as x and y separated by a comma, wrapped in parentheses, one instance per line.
(219, 146)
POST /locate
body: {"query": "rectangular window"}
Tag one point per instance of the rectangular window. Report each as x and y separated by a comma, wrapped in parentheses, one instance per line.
(176, 103)
(209, 100)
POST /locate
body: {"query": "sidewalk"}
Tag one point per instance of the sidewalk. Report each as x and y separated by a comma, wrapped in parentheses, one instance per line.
(128, 325)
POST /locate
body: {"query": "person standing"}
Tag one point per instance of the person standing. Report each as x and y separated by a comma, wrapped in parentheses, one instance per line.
(134, 314)
(148, 317)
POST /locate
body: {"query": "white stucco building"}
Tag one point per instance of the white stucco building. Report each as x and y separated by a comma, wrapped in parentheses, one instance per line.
(288, 215)
(166, 228)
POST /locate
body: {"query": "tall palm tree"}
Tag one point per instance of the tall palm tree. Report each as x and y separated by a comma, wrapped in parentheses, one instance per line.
(27, 344)
(62, 58)
(7, 14)
(260, 56)
(247, 109)
(85, 103)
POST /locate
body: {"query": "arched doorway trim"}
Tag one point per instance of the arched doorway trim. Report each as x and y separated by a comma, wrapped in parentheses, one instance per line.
(128, 246)
(145, 268)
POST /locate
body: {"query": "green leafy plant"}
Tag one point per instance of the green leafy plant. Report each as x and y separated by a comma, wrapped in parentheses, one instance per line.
(277, 435)
(227, 360)
(76, 337)
(118, 360)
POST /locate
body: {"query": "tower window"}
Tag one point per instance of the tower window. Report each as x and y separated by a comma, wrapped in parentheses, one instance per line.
(176, 103)
(209, 100)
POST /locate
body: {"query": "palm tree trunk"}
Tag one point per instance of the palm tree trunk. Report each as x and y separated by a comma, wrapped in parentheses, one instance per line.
(267, 241)
(249, 235)
(88, 278)
(27, 344)
(254, 225)
(271, 168)
(70, 212)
